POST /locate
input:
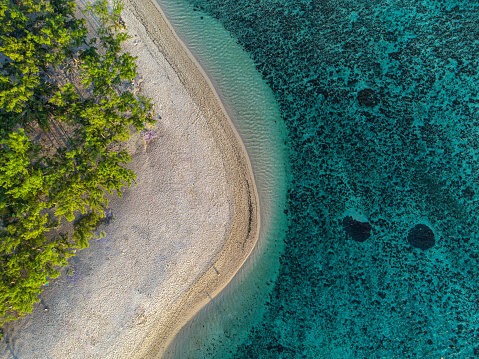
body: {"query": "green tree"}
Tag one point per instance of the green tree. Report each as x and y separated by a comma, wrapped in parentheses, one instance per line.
(43, 187)
(35, 38)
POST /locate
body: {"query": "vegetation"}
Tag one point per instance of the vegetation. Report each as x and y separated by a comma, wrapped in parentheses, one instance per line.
(59, 82)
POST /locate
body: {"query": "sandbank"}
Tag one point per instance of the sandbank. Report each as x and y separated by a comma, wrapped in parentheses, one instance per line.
(180, 234)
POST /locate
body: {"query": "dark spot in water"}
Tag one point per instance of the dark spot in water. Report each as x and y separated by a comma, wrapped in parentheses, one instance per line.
(468, 192)
(358, 231)
(421, 236)
(368, 97)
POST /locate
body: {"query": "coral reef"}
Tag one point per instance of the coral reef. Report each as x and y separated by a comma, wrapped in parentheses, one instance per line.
(380, 100)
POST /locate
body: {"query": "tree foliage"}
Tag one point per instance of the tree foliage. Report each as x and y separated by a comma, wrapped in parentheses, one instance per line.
(43, 187)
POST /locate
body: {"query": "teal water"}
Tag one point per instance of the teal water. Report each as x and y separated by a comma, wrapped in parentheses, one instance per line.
(254, 111)
(380, 103)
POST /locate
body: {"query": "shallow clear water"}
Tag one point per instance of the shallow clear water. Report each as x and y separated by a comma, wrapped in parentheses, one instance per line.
(255, 113)
(380, 102)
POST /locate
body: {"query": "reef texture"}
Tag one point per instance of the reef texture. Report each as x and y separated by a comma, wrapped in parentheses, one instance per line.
(380, 99)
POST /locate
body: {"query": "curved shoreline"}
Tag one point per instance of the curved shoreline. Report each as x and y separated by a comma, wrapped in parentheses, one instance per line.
(180, 234)
(244, 230)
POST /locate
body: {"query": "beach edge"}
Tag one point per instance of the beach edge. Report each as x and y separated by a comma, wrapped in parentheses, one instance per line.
(245, 225)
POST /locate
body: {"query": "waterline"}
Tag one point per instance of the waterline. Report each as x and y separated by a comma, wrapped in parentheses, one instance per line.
(254, 112)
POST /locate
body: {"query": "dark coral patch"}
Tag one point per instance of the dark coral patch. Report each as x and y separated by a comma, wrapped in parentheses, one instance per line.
(368, 97)
(421, 236)
(358, 231)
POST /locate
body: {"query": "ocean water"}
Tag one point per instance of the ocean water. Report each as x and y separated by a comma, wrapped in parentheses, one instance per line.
(381, 253)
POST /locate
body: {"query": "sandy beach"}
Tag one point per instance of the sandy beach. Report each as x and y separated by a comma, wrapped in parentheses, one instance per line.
(180, 234)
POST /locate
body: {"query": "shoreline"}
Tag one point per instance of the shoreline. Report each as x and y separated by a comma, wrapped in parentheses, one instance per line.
(238, 244)
(180, 234)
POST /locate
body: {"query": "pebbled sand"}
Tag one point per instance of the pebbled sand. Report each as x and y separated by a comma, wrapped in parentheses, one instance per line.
(180, 234)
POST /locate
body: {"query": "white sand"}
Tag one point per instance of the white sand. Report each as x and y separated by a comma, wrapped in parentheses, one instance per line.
(193, 214)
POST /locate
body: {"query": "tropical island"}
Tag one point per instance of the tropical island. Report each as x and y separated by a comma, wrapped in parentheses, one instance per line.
(78, 132)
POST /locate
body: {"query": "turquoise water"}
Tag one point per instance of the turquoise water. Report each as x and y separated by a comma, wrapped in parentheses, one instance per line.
(255, 113)
(380, 103)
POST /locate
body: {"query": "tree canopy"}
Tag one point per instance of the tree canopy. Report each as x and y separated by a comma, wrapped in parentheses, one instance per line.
(59, 81)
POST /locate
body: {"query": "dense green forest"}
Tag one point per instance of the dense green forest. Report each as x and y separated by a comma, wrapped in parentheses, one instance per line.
(65, 110)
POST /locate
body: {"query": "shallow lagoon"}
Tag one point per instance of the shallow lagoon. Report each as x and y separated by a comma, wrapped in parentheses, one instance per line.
(379, 99)
(254, 111)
